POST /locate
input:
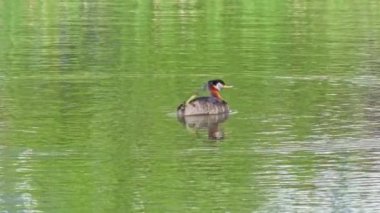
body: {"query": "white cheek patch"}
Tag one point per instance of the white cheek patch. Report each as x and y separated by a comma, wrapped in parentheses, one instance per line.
(219, 86)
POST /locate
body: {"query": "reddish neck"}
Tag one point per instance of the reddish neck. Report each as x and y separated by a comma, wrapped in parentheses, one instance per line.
(215, 93)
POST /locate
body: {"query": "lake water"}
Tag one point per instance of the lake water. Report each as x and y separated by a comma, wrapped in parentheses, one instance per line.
(88, 92)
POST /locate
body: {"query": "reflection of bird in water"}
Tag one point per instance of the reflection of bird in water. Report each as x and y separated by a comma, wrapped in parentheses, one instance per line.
(206, 122)
(207, 105)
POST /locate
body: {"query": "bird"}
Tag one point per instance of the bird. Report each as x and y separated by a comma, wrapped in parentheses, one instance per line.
(206, 105)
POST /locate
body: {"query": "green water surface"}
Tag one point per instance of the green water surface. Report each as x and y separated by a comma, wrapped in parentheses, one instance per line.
(88, 92)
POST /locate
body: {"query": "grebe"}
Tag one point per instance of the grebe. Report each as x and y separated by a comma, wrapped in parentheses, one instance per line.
(207, 105)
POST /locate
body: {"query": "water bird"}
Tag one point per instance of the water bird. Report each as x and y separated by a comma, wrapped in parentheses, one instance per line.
(206, 105)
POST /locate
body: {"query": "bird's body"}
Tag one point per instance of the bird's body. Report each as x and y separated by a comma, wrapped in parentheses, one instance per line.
(203, 106)
(207, 105)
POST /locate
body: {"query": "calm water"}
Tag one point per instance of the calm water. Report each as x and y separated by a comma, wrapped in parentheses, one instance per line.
(88, 90)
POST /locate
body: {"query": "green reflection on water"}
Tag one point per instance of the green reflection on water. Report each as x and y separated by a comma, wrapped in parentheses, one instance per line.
(86, 89)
